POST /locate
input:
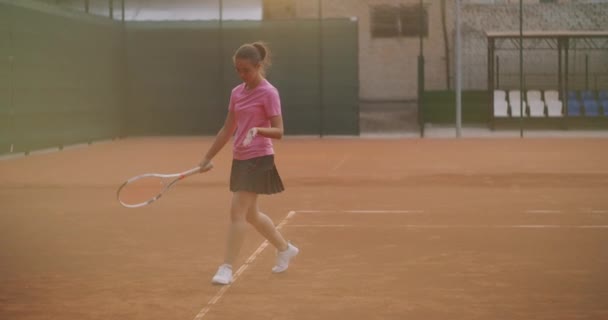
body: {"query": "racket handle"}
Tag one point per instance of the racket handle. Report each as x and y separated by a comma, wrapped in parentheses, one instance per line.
(208, 167)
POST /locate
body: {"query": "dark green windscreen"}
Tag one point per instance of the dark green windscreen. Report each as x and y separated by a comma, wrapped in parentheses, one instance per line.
(67, 77)
(173, 70)
(6, 131)
(181, 74)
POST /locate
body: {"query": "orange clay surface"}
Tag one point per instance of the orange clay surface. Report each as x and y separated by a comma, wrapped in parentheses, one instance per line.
(388, 229)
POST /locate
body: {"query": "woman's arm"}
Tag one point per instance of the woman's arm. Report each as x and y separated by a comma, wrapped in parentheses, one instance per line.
(223, 136)
(276, 128)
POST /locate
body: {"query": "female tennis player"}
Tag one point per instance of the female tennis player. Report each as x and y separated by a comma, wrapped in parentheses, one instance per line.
(254, 118)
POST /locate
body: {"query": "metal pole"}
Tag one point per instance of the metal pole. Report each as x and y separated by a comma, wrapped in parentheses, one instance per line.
(421, 74)
(123, 131)
(358, 104)
(448, 82)
(566, 76)
(421, 27)
(559, 68)
(458, 72)
(86, 6)
(321, 105)
(586, 71)
(11, 99)
(492, 85)
(11, 85)
(497, 72)
(521, 69)
(111, 8)
(220, 46)
(221, 12)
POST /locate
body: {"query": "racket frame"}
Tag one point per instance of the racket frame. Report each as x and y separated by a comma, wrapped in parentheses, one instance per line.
(176, 177)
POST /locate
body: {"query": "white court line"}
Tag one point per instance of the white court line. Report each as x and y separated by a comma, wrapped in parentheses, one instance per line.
(12, 156)
(44, 151)
(339, 164)
(360, 211)
(599, 211)
(430, 226)
(242, 269)
(584, 211)
(415, 211)
(76, 146)
(543, 211)
(384, 211)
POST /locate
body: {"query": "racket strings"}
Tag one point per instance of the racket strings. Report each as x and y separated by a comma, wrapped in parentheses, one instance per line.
(142, 190)
(145, 189)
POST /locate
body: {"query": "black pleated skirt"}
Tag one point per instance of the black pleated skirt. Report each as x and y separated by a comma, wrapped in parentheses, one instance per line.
(258, 175)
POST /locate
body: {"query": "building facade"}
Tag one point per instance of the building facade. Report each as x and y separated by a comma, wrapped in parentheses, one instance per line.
(389, 43)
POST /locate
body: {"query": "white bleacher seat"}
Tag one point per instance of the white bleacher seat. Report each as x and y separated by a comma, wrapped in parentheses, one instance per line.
(535, 103)
(514, 103)
(537, 108)
(515, 109)
(514, 95)
(500, 95)
(501, 108)
(551, 95)
(554, 108)
(533, 95)
(554, 105)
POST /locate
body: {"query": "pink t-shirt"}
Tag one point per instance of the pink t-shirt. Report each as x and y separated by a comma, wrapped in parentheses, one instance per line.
(253, 108)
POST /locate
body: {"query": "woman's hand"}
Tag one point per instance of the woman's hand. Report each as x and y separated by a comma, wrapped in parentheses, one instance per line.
(250, 135)
(206, 165)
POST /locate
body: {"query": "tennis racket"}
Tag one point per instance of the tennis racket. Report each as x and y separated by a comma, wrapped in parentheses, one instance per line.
(144, 189)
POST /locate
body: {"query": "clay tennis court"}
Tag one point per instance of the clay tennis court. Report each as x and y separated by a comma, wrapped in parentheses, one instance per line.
(388, 229)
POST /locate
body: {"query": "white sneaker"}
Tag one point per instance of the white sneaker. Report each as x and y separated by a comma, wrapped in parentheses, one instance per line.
(223, 275)
(283, 258)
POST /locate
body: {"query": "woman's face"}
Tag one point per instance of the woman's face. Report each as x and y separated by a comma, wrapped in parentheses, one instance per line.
(246, 70)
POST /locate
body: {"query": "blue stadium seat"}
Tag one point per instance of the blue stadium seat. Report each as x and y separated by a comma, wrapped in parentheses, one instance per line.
(603, 95)
(592, 108)
(572, 95)
(574, 108)
(605, 107)
(588, 95)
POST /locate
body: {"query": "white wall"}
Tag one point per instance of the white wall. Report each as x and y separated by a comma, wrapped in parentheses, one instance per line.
(172, 10)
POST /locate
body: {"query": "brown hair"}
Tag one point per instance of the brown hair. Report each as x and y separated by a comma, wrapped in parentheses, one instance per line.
(257, 53)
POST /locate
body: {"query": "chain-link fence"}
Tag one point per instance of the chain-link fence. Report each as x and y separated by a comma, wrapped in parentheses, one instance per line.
(564, 53)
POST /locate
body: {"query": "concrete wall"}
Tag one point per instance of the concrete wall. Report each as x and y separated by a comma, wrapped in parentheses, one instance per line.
(388, 66)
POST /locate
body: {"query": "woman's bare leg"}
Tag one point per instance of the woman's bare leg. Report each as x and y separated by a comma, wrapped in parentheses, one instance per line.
(241, 202)
(264, 225)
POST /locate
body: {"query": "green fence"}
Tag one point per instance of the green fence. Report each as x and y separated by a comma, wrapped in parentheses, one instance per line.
(173, 73)
(439, 107)
(62, 79)
(67, 77)
(181, 74)
(340, 76)
(6, 119)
